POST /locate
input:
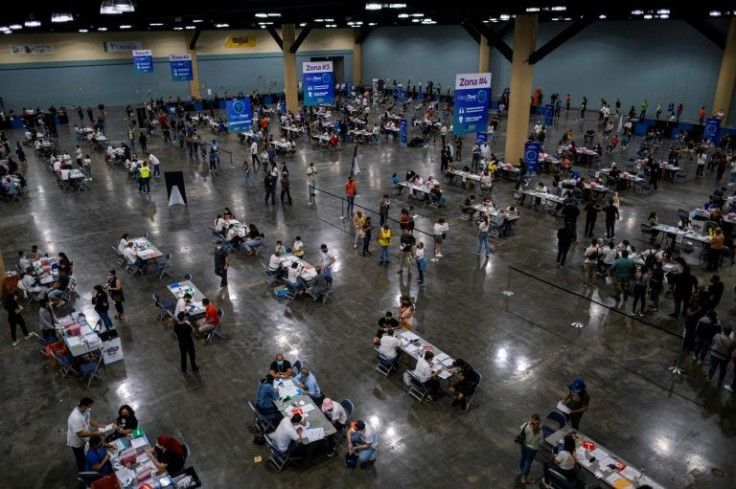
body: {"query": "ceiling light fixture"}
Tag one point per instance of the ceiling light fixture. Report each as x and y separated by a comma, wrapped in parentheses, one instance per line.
(602, 16)
(648, 17)
(107, 8)
(124, 6)
(404, 16)
(663, 11)
(416, 20)
(559, 8)
(664, 16)
(417, 15)
(222, 26)
(62, 17)
(178, 28)
(156, 24)
(261, 15)
(274, 14)
(396, 5)
(504, 16)
(102, 29)
(197, 21)
(15, 27)
(637, 12)
(532, 9)
(84, 31)
(372, 24)
(329, 20)
(190, 27)
(126, 26)
(303, 24)
(715, 13)
(373, 6)
(319, 20)
(31, 22)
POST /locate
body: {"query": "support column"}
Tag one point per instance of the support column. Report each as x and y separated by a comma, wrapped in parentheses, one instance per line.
(484, 55)
(357, 63)
(522, 78)
(2, 274)
(727, 75)
(291, 87)
(194, 90)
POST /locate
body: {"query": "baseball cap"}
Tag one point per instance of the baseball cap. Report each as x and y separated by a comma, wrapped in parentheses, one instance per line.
(327, 404)
(577, 385)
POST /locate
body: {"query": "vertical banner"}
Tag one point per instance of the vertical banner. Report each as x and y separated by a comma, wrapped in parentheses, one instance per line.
(531, 156)
(403, 132)
(282, 105)
(143, 60)
(400, 94)
(472, 95)
(319, 82)
(710, 132)
(239, 114)
(181, 67)
(549, 115)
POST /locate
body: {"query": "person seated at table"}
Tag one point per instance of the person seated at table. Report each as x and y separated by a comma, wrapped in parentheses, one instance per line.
(288, 435)
(267, 393)
(308, 382)
(385, 323)
(211, 318)
(588, 136)
(58, 288)
(335, 414)
(684, 224)
(436, 194)
(23, 261)
(563, 461)
(320, 287)
(467, 208)
(253, 239)
(294, 279)
(298, 247)
(122, 243)
(388, 345)
(181, 304)
(131, 256)
(411, 176)
(219, 225)
(30, 283)
(467, 381)
(362, 441)
(125, 423)
(652, 221)
(425, 374)
(232, 236)
(97, 458)
(542, 189)
(625, 245)
(281, 248)
(614, 171)
(168, 455)
(395, 183)
(274, 265)
(65, 264)
(280, 368)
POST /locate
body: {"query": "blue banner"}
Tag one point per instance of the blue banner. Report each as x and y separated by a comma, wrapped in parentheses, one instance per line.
(239, 115)
(400, 94)
(282, 105)
(319, 83)
(712, 127)
(143, 60)
(181, 67)
(531, 156)
(472, 96)
(403, 132)
(549, 115)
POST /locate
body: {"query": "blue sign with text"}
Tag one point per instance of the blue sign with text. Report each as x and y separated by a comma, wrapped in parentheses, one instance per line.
(282, 105)
(181, 67)
(143, 60)
(400, 94)
(403, 132)
(472, 96)
(531, 156)
(319, 82)
(549, 115)
(239, 114)
(711, 130)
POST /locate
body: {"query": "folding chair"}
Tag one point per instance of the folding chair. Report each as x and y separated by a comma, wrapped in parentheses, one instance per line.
(164, 266)
(120, 257)
(262, 424)
(65, 362)
(91, 369)
(296, 367)
(385, 365)
(164, 307)
(215, 332)
(416, 388)
(554, 421)
(132, 268)
(188, 276)
(89, 477)
(271, 278)
(71, 290)
(278, 458)
(349, 407)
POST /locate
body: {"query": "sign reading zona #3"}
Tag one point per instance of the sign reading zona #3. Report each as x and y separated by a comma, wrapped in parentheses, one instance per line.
(472, 96)
(318, 82)
(181, 67)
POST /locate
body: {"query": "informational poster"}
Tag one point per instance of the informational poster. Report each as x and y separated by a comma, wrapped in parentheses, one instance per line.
(472, 96)
(531, 156)
(549, 115)
(239, 114)
(403, 132)
(711, 130)
(181, 67)
(143, 60)
(400, 94)
(282, 105)
(319, 82)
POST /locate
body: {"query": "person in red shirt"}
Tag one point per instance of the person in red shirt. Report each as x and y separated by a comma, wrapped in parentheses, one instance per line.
(351, 188)
(701, 115)
(264, 126)
(211, 317)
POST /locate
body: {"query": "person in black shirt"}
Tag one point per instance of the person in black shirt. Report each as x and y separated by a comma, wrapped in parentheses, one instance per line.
(405, 245)
(611, 216)
(467, 382)
(183, 330)
(384, 324)
(715, 292)
(280, 368)
(168, 455)
(222, 262)
(126, 423)
(570, 215)
(270, 184)
(564, 241)
(14, 316)
(591, 213)
(58, 288)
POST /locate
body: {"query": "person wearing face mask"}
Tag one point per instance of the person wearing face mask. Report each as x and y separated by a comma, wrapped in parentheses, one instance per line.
(280, 368)
(102, 305)
(115, 288)
(126, 423)
(79, 429)
(181, 304)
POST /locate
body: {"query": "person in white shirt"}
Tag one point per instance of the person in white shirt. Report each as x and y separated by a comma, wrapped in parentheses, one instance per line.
(362, 441)
(294, 277)
(181, 304)
(288, 434)
(440, 233)
(131, 256)
(425, 374)
(274, 264)
(79, 429)
(591, 264)
(56, 165)
(563, 462)
(337, 415)
(219, 223)
(122, 243)
(298, 248)
(388, 345)
(78, 153)
(312, 181)
(485, 151)
(156, 165)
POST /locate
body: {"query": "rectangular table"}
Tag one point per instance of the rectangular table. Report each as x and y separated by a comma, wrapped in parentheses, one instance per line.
(145, 249)
(85, 340)
(179, 289)
(143, 470)
(465, 175)
(544, 196)
(415, 187)
(599, 469)
(309, 273)
(303, 404)
(414, 345)
(46, 270)
(677, 232)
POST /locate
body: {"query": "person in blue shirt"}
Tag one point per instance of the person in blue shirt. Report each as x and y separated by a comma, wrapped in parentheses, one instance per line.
(267, 393)
(307, 381)
(97, 460)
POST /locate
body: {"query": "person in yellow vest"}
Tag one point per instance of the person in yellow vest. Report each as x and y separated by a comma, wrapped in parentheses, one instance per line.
(145, 176)
(384, 240)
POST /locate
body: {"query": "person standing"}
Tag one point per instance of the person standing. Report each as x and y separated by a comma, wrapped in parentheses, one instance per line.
(328, 260)
(406, 245)
(254, 155)
(715, 250)
(142, 141)
(145, 176)
(248, 173)
(590, 265)
(570, 215)
(384, 205)
(440, 233)
(684, 284)
(623, 271)
(591, 214)
(421, 262)
(641, 283)
(79, 426)
(285, 187)
(384, 241)
(156, 165)
(183, 330)
(531, 440)
(312, 182)
(15, 318)
(612, 214)
(564, 241)
(115, 288)
(483, 233)
(358, 222)
(222, 263)
(721, 350)
(367, 235)
(269, 183)
(577, 401)
(351, 189)
(87, 167)
(102, 305)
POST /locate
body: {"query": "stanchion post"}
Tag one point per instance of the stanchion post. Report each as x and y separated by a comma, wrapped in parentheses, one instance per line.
(578, 324)
(676, 369)
(508, 292)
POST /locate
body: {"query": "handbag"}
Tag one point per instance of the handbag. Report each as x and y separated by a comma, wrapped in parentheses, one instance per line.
(521, 436)
(351, 460)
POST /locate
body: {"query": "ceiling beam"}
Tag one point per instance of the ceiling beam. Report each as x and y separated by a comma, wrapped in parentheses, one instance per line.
(300, 38)
(494, 40)
(559, 39)
(471, 30)
(718, 38)
(276, 37)
(363, 34)
(195, 37)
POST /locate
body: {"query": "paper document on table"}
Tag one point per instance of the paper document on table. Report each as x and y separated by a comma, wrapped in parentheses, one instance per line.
(447, 362)
(444, 374)
(138, 442)
(107, 428)
(599, 454)
(409, 335)
(314, 434)
(630, 473)
(618, 482)
(562, 408)
(308, 407)
(441, 357)
(125, 476)
(411, 348)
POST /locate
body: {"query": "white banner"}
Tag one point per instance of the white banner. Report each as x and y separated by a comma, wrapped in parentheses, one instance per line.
(30, 49)
(142, 52)
(180, 57)
(472, 80)
(121, 46)
(317, 67)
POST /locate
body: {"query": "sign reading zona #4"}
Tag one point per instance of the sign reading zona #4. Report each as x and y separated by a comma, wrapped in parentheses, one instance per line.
(472, 96)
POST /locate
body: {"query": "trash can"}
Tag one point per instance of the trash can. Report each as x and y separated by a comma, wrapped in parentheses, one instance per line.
(112, 348)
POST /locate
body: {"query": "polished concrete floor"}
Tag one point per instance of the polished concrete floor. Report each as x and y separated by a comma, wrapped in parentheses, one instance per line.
(682, 430)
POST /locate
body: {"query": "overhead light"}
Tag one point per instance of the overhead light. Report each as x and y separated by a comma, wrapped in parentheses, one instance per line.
(637, 12)
(126, 26)
(373, 6)
(602, 17)
(15, 27)
(416, 20)
(156, 24)
(197, 21)
(663, 11)
(260, 23)
(261, 15)
(504, 16)
(417, 15)
(263, 27)
(108, 8)
(178, 28)
(396, 5)
(124, 6)
(31, 22)
(84, 31)
(372, 24)
(559, 8)
(329, 20)
(102, 29)
(62, 17)
(555, 19)
(221, 26)
(715, 13)
(648, 17)
(664, 16)
(274, 14)
(495, 21)
(303, 24)
(532, 9)
(485, 21)
(404, 16)
(190, 27)
(319, 20)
